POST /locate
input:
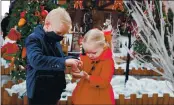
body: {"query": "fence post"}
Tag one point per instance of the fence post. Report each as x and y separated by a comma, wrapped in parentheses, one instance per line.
(19, 101)
(133, 99)
(6, 71)
(6, 99)
(133, 71)
(171, 101)
(166, 99)
(14, 99)
(62, 102)
(121, 99)
(9, 84)
(69, 101)
(155, 99)
(25, 100)
(160, 100)
(2, 70)
(117, 102)
(145, 99)
(2, 92)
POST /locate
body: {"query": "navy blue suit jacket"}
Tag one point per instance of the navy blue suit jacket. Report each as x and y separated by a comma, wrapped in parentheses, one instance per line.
(38, 59)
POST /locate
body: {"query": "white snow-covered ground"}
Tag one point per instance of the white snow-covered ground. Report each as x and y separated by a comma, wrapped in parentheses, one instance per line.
(18, 88)
(133, 86)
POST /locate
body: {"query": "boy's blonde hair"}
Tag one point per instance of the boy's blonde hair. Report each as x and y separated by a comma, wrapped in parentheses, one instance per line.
(94, 36)
(57, 17)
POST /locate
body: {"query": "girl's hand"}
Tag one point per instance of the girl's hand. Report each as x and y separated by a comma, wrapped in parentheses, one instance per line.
(80, 64)
(85, 75)
(82, 74)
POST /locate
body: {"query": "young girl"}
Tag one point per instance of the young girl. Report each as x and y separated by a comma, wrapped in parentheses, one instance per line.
(98, 67)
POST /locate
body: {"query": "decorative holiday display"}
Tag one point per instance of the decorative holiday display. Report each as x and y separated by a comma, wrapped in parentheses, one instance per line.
(22, 14)
(87, 20)
(118, 5)
(140, 33)
(21, 22)
(9, 49)
(28, 14)
(108, 38)
(78, 4)
(24, 54)
(43, 12)
(157, 35)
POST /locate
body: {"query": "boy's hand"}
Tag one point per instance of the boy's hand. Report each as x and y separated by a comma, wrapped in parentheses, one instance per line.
(73, 63)
(70, 62)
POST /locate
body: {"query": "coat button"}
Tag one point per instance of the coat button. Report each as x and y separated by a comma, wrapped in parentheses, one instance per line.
(97, 86)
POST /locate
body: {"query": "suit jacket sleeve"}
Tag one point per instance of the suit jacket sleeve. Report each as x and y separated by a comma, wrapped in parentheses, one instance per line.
(38, 60)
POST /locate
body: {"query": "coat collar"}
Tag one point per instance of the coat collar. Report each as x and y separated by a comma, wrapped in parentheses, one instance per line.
(106, 54)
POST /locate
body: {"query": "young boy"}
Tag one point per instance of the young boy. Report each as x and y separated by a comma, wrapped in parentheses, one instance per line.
(45, 56)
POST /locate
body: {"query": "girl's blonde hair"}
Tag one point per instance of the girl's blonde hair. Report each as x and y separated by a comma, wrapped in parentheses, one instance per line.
(94, 36)
(58, 16)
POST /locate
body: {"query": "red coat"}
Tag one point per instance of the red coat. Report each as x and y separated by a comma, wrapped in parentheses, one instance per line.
(98, 89)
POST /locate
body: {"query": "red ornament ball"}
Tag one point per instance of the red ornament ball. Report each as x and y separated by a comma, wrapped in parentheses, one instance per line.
(44, 13)
(22, 14)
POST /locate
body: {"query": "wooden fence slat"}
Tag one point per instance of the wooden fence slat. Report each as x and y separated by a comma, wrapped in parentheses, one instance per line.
(62, 103)
(155, 99)
(5, 86)
(121, 99)
(2, 70)
(134, 71)
(119, 71)
(160, 100)
(25, 100)
(10, 100)
(6, 71)
(171, 101)
(69, 101)
(166, 99)
(127, 101)
(150, 101)
(19, 101)
(133, 99)
(9, 84)
(14, 99)
(6, 99)
(117, 102)
(145, 99)
(139, 101)
(130, 72)
(2, 92)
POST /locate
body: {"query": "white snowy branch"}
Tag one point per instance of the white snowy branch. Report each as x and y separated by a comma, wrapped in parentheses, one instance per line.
(153, 37)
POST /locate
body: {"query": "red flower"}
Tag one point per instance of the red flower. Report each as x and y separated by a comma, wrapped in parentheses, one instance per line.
(14, 34)
(9, 50)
